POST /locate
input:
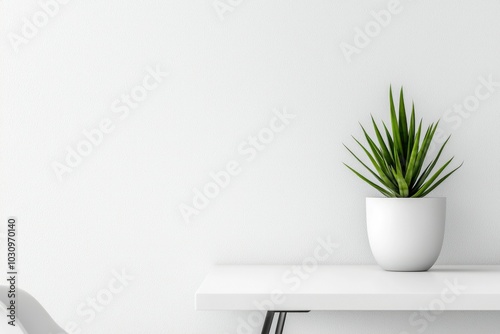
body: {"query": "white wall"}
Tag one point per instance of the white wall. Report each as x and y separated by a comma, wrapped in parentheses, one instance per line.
(119, 208)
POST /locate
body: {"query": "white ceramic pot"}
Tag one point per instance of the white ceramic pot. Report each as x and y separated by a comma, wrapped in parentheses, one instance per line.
(406, 234)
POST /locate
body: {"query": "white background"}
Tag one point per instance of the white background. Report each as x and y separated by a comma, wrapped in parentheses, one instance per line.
(119, 209)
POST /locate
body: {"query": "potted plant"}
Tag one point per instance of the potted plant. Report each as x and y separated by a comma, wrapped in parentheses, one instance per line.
(405, 228)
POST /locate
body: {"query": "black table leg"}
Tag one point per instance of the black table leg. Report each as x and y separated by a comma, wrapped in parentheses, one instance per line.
(281, 323)
(266, 329)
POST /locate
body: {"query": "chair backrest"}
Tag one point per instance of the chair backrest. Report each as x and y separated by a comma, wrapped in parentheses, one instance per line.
(30, 314)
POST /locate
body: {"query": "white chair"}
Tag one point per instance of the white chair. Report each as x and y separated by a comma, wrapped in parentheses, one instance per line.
(31, 317)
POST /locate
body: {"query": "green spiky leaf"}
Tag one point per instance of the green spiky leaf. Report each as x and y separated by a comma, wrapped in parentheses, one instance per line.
(398, 159)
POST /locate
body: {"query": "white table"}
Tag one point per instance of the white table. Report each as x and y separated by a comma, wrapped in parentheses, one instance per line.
(287, 288)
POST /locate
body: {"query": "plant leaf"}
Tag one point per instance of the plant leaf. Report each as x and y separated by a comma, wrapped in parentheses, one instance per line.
(403, 186)
(383, 146)
(430, 166)
(364, 165)
(429, 134)
(411, 132)
(383, 171)
(382, 190)
(398, 155)
(403, 123)
(427, 184)
(389, 139)
(395, 129)
(413, 157)
(375, 164)
(440, 181)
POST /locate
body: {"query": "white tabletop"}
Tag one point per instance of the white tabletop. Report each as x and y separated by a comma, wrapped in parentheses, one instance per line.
(346, 287)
